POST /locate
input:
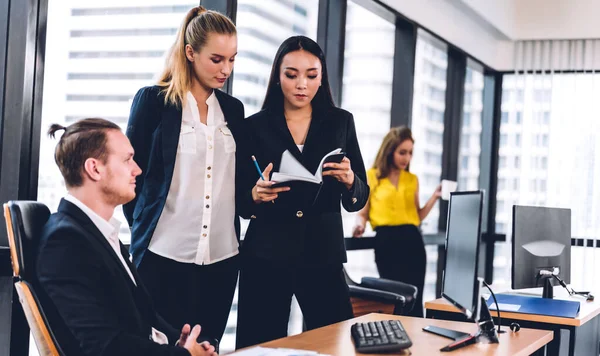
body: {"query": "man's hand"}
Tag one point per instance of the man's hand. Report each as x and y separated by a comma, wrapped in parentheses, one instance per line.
(185, 332)
(195, 348)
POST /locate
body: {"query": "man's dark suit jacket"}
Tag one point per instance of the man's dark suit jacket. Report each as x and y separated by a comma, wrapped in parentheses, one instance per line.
(91, 302)
(153, 130)
(298, 228)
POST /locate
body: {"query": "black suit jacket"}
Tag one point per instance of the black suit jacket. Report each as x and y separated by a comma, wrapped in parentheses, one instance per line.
(299, 227)
(153, 130)
(92, 304)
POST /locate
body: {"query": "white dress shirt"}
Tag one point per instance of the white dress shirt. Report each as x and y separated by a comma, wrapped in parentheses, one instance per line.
(110, 230)
(196, 224)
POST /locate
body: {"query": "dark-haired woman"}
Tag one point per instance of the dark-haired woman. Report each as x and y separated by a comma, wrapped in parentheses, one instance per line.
(295, 246)
(395, 213)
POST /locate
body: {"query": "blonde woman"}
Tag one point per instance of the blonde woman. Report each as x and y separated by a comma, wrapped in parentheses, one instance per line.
(395, 213)
(184, 229)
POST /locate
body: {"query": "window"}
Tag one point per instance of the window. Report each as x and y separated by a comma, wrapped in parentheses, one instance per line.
(563, 141)
(517, 140)
(470, 141)
(500, 206)
(517, 162)
(91, 70)
(428, 115)
(501, 184)
(520, 95)
(466, 119)
(370, 101)
(262, 26)
(506, 96)
(503, 140)
(465, 141)
(518, 117)
(502, 162)
(504, 118)
(546, 118)
(464, 163)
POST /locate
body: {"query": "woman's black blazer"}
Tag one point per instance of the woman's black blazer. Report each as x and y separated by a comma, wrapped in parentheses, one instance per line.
(304, 225)
(153, 130)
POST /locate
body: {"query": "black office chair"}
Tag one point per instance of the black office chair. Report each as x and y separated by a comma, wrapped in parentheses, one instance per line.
(24, 221)
(379, 295)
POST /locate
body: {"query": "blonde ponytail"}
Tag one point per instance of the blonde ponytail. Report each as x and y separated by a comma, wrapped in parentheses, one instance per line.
(176, 78)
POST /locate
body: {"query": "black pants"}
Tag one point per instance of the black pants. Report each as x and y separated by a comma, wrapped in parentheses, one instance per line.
(400, 256)
(186, 293)
(265, 296)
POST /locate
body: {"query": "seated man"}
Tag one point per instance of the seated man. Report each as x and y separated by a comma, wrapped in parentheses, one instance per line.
(88, 288)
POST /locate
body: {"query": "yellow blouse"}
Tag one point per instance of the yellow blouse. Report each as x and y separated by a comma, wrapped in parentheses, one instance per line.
(389, 205)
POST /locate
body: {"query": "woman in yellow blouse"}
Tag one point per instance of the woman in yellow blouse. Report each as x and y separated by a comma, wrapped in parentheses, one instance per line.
(395, 213)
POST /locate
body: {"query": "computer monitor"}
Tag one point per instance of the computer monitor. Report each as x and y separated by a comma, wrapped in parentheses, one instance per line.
(461, 284)
(541, 242)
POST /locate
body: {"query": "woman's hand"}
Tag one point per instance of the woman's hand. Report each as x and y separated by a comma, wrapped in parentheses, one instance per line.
(342, 172)
(263, 191)
(437, 193)
(359, 230)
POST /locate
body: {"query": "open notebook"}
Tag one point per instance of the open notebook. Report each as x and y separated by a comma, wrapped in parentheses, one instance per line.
(292, 170)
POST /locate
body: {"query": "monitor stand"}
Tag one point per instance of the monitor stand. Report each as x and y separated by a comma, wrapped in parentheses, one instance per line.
(548, 290)
(486, 332)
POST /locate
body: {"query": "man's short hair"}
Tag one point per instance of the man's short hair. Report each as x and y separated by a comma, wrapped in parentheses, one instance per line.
(84, 139)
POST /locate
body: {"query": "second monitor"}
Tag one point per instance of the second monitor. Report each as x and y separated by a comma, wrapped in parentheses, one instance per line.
(541, 247)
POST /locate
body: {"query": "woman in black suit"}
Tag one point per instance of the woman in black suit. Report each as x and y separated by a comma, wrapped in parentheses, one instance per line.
(183, 223)
(295, 242)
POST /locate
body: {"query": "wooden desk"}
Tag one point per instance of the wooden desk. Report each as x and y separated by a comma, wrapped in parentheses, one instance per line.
(336, 340)
(584, 328)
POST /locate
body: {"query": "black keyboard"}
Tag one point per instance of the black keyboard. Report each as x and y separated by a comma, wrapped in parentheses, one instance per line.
(380, 336)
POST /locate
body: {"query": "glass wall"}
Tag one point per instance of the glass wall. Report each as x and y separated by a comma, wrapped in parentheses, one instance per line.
(551, 158)
(98, 55)
(367, 82)
(470, 139)
(429, 105)
(367, 94)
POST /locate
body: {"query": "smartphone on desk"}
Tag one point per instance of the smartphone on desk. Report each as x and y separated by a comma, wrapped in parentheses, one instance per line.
(335, 158)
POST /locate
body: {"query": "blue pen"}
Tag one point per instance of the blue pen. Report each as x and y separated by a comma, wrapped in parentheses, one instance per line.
(259, 172)
(257, 168)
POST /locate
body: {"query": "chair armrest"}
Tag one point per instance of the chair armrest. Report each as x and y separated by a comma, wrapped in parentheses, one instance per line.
(404, 289)
(376, 295)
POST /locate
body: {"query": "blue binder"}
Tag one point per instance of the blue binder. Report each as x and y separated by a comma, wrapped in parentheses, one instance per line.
(534, 305)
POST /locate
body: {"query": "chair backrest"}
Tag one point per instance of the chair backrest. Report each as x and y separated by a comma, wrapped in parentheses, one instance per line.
(44, 338)
(24, 222)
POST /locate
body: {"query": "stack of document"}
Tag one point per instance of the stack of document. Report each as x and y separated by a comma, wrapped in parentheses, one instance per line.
(265, 351)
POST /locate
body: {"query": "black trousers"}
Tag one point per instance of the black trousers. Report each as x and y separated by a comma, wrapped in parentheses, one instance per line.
(186, 293)
(265, 296)
(400, 255)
